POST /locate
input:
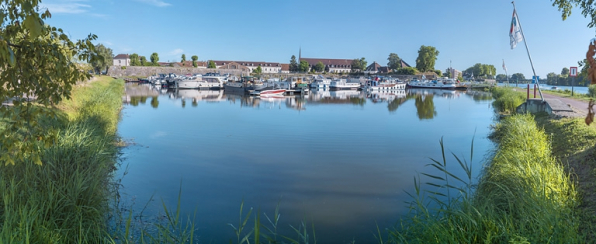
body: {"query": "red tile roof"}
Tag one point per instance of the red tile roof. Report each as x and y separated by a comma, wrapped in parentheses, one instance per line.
(121, 56)
(343, 63)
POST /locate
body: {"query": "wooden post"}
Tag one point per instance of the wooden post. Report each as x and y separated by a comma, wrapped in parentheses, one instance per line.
(528, 92)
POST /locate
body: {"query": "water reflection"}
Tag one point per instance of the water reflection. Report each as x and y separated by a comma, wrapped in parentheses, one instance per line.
(423, 98)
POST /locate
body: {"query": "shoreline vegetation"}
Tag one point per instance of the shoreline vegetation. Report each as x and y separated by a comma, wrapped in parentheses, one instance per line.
(538, 186)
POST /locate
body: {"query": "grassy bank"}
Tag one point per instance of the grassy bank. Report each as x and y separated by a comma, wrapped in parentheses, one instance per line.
(507, 99)
(524, 195)
(66, 199)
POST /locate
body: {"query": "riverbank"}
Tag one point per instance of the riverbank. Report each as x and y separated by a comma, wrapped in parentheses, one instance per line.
(539, 186)
(66, 200)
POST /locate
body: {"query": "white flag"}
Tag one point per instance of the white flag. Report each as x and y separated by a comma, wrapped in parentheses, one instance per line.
(515, 35)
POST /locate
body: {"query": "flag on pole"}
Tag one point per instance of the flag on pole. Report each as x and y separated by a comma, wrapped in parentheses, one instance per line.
(515, 35)
(504, 68)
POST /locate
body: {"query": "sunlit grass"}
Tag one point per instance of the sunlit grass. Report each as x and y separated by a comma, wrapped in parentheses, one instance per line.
(523, 196)
(507, 99)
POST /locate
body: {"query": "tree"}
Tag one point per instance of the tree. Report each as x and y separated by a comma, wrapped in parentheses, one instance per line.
(154, 58)
(438, 72)
(194, 60)
(482, 70)
(552, 78)
(394, 61)
(427, 56)
(293, 64)
(41, 60)
(501, 77)
(363, 64)
(143, 61)
(355, 65)
(406, 71)
(183, 58)
(517, 77)
(102, 64)
(565, 71)
(211, 65)
(258, 70)
(304, 67)
(588, 8)
(319, 67)
(134, 60)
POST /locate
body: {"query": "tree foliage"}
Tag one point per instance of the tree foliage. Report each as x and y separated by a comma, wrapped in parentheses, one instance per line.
(293, 64)
(319, 67)
(194, 60)
(183, 58)
(394, 61)
(39, 61)
(482, 70)
(359, 64)
(501, 77)
(102, 64)
(154, 58)
(303, 67)
(258, 70)
(143, 61)
(517, 77)
(588, 8)
(134, 60)
(211, 65)
(406, 71)
(427, 56)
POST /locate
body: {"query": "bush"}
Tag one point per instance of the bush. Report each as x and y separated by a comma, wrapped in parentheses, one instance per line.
(507, 100)
(592, 90)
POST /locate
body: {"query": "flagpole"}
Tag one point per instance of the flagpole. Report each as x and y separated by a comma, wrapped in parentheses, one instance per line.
(527, 50)
(506, 75)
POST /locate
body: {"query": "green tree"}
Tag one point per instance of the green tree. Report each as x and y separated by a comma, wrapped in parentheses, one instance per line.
(588, 9)
(304, 67)
(183, 58)
(194, 60)
(501, 77)
(154, 102)
(319, 67)
(427, 56)
(565, 71)
(154, 58)
(293, 64)
(552, 78)
(482, 70)
(438, 72)
(258, 70)
(134, 60)
(211, 65)
(102, 64)
(394, 61)
(425, 107)
(41, 60)
(517, 77)
(143, 61)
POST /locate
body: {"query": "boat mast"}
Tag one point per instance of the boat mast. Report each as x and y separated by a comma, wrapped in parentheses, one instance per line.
(527, 50)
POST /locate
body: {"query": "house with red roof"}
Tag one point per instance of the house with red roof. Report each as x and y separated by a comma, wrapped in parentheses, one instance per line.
(121, 60)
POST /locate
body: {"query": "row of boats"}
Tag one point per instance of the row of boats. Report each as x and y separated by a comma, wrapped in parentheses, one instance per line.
(252, 85)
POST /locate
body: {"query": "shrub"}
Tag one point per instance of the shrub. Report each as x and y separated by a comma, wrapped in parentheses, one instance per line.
(592, 90)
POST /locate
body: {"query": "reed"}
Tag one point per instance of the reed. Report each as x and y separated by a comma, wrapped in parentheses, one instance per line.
(66, 199)
(507, 99)
(524, 195)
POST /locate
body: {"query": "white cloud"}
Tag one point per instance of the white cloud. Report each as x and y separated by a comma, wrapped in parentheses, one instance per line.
(108, 43)
(157, 3)
(66, 6)
(177, 51)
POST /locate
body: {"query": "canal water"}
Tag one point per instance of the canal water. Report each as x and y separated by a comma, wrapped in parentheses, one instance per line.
(339, 161)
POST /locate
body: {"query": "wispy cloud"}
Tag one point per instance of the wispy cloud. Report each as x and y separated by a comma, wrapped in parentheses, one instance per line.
(176, 51)
(108, 43)
(66, 6)
(157, 3)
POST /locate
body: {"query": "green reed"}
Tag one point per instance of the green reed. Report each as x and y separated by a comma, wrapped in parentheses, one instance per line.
(524, 195)
(507, 99)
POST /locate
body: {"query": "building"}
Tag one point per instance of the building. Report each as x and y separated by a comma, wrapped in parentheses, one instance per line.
(331, 65)
(453, 73)
(285, 68)
(121, 60)
(234, 65)
(266, 67)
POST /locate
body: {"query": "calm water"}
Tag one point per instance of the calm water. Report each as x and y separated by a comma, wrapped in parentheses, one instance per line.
(340, 160)
(578, 89)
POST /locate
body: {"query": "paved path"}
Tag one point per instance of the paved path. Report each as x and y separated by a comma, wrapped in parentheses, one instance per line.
(580, 108)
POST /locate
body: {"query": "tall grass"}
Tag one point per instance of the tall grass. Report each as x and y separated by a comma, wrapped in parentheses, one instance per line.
(66, 199)
(507, 99)
(523, 196)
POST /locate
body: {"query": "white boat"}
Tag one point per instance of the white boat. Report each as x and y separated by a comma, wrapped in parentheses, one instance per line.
(320, 83)
(213, 81)
(343, 84)
(188, 82)
(448, 84)
(384, 85)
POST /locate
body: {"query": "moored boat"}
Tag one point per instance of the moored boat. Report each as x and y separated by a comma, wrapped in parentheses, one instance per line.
(343, 84)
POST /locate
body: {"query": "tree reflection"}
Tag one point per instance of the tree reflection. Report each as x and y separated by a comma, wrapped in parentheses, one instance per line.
(134, 101)
(425, 107)
(143, 99)
(154, 102)
(194, 102)
(183, 103)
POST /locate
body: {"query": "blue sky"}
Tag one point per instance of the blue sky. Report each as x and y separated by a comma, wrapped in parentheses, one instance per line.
(464, 31)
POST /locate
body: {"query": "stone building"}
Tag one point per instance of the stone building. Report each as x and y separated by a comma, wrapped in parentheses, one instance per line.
(121, 60)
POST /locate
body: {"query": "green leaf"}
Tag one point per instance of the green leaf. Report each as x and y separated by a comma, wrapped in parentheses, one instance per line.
(11, 59)
(33, 24)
